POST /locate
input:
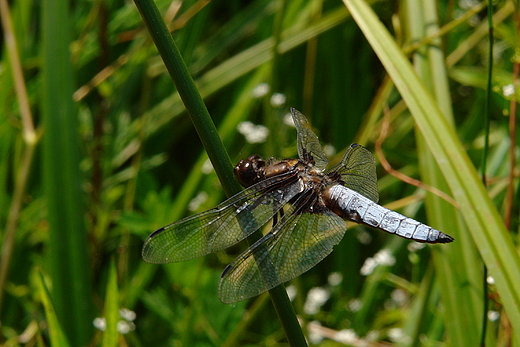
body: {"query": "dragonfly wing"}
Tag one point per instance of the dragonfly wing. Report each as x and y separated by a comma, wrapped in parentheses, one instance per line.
(298, 242)
(357, 169)
(222, 226)
(308, 143)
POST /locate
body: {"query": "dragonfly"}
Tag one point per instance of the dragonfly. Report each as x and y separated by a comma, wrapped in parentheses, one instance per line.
(311, 205)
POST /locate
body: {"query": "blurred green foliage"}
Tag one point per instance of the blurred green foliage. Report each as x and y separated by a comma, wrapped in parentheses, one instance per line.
(142, 166)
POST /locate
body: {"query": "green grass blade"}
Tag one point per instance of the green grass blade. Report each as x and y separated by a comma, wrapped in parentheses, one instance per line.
(484, 223)
(111, 309)
(463, 305)
(56, 334)
(69, 266)
(419, 309)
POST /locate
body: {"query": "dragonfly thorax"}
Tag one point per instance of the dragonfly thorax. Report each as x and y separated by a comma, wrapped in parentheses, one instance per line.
(255, 169)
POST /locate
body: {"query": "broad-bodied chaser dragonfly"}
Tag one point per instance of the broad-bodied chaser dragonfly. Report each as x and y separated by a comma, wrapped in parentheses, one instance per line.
(314, 203)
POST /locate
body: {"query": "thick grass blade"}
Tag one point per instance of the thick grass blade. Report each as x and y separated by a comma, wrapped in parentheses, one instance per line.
(67, 255)
(460, 284)
(480, 215)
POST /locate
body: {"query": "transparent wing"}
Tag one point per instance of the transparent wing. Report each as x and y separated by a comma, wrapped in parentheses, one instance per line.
(358, 170)
(298, 242)
(222, 226)
(308, 143)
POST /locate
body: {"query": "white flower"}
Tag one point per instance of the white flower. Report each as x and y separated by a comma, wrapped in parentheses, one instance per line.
(493, 315)
(508, 90)
(397, 335)
(127, 314)
(399, 296)
(278, 99)
(354, 305)
(335, 278)
(253, 133)
(315, 335)
(260, 90)
(346, 336)
(490, 280)
(100, 323)
(315, 299)
(124, 327)
(368, 267)
(384, 257)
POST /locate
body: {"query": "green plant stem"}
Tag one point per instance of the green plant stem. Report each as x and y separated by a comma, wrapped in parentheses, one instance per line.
(30, 139)
(189, 94)
(14, 215)
(210, 139)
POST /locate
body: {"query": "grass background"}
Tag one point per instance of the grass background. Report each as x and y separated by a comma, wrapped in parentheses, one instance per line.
(99, 152)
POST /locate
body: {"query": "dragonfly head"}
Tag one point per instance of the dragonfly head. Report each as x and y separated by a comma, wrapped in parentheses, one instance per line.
(249, 171)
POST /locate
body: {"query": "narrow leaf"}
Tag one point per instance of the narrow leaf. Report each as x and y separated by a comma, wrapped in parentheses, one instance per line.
(111, 309)
(56, 333)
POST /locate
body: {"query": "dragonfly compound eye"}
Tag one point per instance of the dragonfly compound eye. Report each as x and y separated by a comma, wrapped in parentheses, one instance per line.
(249, 171)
